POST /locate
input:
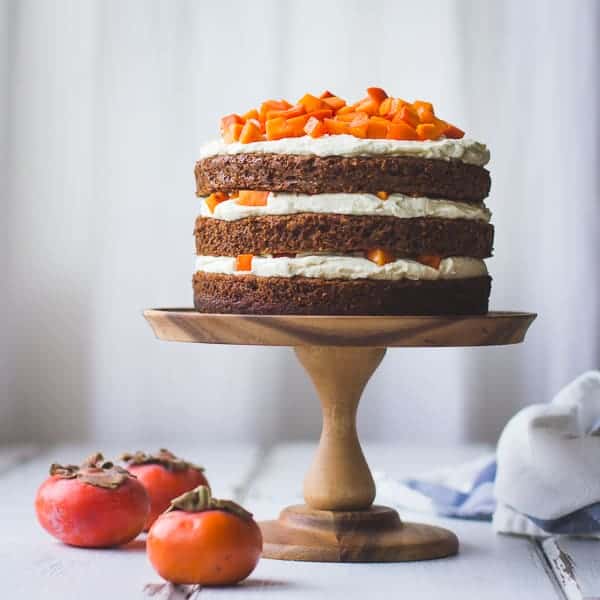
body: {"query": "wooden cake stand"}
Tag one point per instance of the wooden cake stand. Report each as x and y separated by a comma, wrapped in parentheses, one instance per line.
(339, 522)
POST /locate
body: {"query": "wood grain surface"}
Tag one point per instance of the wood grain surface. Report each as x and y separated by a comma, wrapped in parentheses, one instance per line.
(187, 325)
(373, 535)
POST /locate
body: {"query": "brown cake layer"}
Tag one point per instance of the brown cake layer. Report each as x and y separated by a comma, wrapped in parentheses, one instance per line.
(315, 232)
(409, 175)
(248, 294)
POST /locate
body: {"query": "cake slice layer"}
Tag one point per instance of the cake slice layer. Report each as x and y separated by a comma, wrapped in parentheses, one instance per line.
(314, 232)
(249, 294)
(413, 176)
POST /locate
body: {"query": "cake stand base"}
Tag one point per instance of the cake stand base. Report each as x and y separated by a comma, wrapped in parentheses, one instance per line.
(375, 534)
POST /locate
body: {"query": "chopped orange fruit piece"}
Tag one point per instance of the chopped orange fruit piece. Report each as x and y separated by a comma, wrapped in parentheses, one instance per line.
(232, 133)
(453, 132)
(377, 129)
(334, 102)
(229, 120)
(368, 105)
(288, 113)
(430, 131)
(390, 106)
(310, 102)
(377, 94)
(430, 261)
(407, 114)
(314, 128)
(265, 107)
(251, 114)
(402, 131)
(251, 132)
(335, 127)
(326, 94)
(214, 199)
(380, 256)
(243, 262)
(296, 125)
(276, 128)
(322, 113)
(424, 110)
(383, 195)
(252, 198)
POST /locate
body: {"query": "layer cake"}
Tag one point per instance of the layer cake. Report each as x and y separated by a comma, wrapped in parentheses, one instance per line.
(324, 207)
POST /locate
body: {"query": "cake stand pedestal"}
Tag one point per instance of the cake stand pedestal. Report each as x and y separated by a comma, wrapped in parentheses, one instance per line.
(339, 522)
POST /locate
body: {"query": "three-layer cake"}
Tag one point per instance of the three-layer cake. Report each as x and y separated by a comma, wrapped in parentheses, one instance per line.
(322, 207)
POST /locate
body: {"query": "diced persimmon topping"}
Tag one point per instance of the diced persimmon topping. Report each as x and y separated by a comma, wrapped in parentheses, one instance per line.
(214, 199)
(243, 262)
(380, 256)
(376, 116)
(252, 198)
(431, 261)
(382, 195)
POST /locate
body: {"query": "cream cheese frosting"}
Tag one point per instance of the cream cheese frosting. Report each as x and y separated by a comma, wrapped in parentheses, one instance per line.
(331, 266)
(466, 150)
(396, 205)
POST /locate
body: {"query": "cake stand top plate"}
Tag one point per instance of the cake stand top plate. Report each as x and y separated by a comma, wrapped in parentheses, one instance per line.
(187, 325)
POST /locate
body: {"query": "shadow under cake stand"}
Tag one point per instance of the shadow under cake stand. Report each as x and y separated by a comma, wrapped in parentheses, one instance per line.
(339, 522)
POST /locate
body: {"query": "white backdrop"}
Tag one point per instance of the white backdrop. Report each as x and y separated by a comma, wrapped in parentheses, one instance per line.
(105, 105)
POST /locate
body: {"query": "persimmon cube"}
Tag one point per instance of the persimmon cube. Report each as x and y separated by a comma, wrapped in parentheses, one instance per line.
(334, 102)
(382, 195)
(360, 130)
(243, 262)
(380, 256)
(276, 128)
(232, 133)
(360, 118)
(390, 106)
(314, 128)
(310, 102)
(295, 126)
(377, 94)
(407, 114)
(335, 127)
(377, 129)
(368, 105)
(288, 113)
(453, 132)
(326, 94)
(250, 132)
(323, 113)
(269, 105)
(430, 131)
(424, 111)
(349, 108)
(348, 117)
(251, 114)
(214, 199)
(228, 120)
(430, 261)
(252, 198)
(401, 131)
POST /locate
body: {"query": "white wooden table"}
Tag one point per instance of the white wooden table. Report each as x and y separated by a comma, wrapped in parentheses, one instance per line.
(33, 565)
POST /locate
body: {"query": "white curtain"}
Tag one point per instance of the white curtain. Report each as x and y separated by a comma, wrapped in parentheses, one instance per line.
(105, 105)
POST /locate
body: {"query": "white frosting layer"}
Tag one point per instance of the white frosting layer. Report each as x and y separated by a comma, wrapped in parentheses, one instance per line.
(327, 266)
(397, 205)
(465, 150)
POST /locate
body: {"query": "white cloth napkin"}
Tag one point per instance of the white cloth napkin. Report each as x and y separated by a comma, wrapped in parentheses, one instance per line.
(544, 479)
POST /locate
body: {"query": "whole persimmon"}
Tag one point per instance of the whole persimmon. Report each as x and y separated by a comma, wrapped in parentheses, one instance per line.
(95, 505)
(165, 476)
(202, 540)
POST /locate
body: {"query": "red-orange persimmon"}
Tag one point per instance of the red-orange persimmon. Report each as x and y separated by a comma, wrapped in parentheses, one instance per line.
(202, 540)
(165, 476)
(95, 505)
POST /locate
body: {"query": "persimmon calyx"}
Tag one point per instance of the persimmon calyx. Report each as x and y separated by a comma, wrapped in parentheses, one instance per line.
(200, 500)
(93, 471)
(163, 457)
